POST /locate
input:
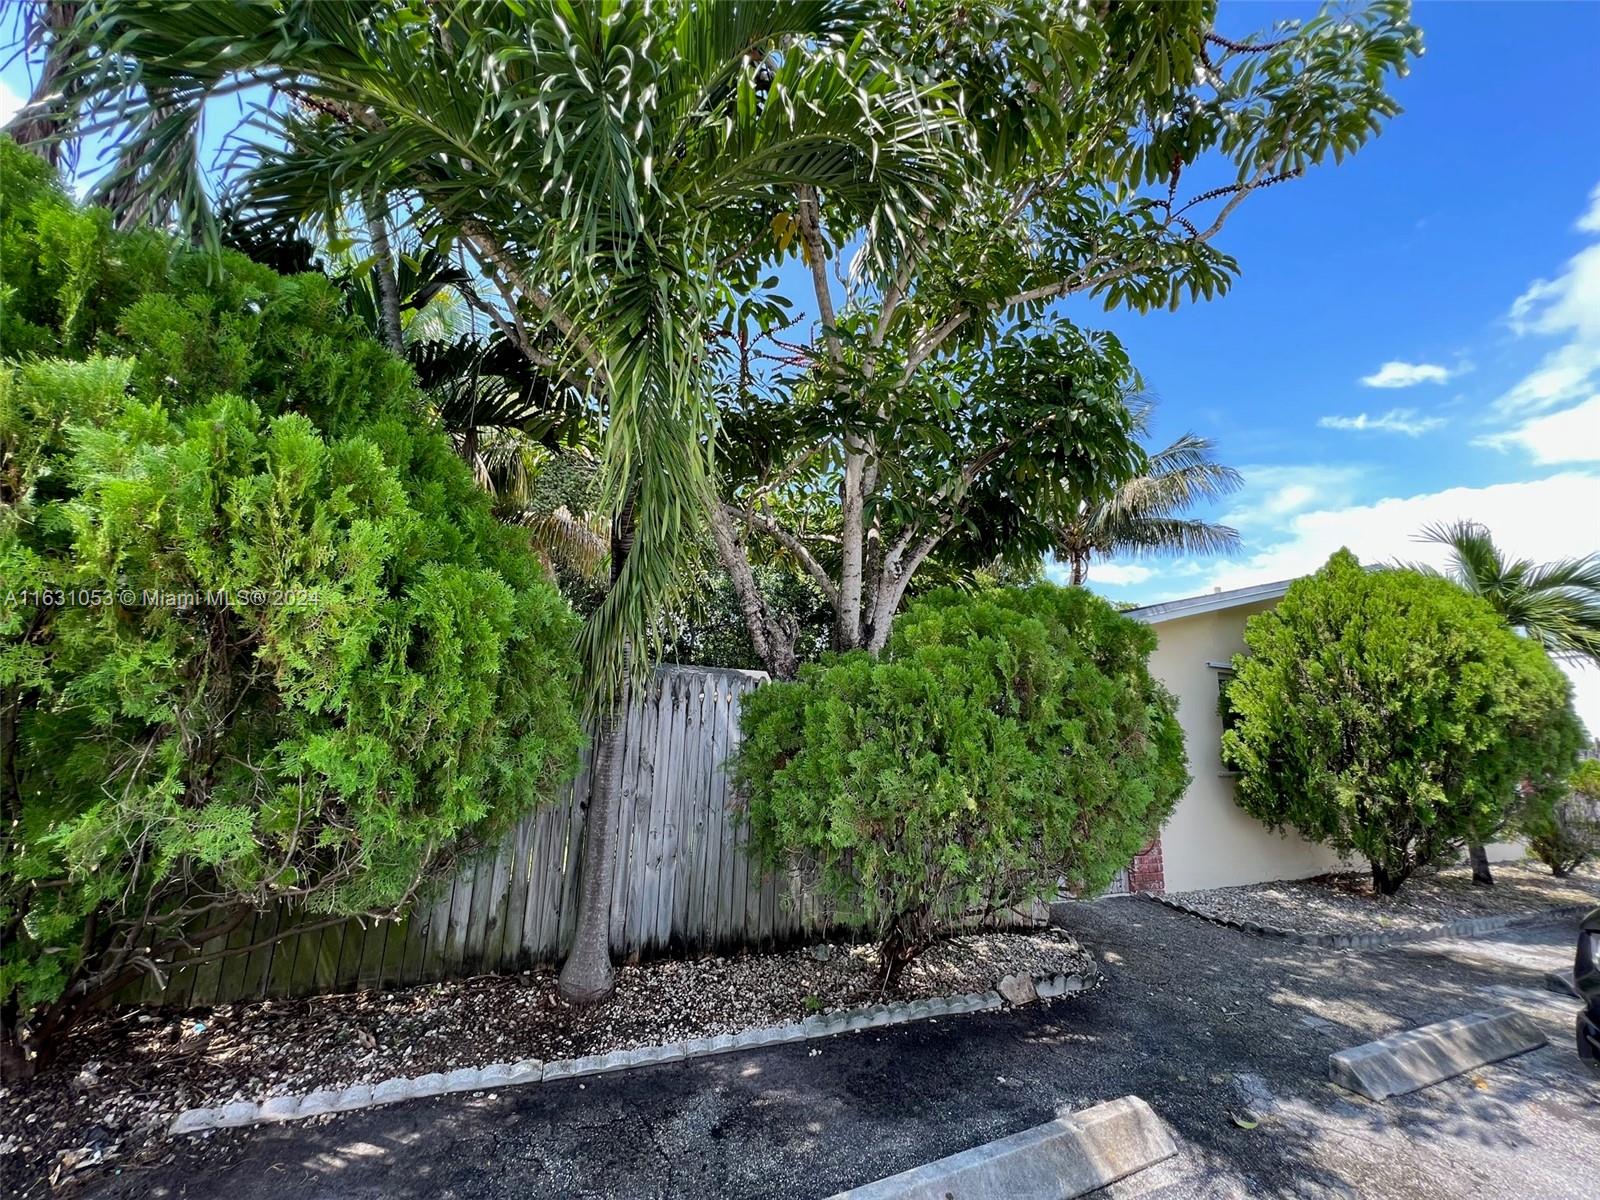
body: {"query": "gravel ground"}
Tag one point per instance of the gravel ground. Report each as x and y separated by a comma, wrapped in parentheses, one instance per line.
(107, 1102)
(1205, 1023)
(1346, 903)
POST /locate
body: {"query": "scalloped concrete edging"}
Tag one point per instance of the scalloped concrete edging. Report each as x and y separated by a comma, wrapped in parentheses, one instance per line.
(513, 1074)
(1465, 927)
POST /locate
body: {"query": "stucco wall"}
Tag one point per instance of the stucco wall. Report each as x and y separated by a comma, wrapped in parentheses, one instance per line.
(1209, 841)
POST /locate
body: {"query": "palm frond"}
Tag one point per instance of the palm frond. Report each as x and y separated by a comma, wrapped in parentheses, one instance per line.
(1582, 574)
(1143, 516)
(1557, 603)
(478, 385)
(599, 141)
(578, 544)
(1476, 564)
(1155, 536)
(654, 454)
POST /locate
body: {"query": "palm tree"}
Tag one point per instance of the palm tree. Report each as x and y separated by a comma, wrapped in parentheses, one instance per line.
(1557, 604)
(611, 168)
(40, 124)
(1145, 515)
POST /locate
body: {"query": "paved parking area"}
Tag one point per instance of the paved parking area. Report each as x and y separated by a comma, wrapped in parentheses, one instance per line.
(1215, 1029)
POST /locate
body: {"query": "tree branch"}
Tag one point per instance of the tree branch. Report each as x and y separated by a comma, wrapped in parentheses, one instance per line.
(773, 644)
(490, 253)
(810, 222)
(1091, 275)
(765, 524)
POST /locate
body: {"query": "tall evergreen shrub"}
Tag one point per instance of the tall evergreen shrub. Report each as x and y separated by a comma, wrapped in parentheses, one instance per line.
(260, 637)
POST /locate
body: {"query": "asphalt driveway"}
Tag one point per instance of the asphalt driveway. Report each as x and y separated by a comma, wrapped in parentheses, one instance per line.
(1215, 1029)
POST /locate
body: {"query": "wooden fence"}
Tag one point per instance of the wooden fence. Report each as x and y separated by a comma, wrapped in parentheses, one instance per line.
(684, 880)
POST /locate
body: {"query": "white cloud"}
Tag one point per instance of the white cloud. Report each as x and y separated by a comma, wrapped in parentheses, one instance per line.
(1566, 307)
(1525, 518)
(10, 102)
(1273, 492)
(1407, 421)
(1404, 374)
(1540, 519)
(1113, 573)
(1569, 436)
(1120, 573)
(1585, 694)
(1590, 221)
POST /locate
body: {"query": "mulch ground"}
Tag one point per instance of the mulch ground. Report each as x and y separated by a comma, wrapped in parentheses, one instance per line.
(107, 1101)
(1347, 903)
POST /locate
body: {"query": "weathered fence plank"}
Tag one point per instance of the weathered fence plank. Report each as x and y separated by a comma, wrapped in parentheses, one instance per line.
(683, 879)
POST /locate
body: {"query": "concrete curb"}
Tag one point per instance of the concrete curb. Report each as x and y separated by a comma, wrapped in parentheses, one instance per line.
(1466, 927)
(1067, 1157)
(1409, 1061)
(515, 1074)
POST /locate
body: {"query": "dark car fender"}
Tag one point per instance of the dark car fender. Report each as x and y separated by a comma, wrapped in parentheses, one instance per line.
(1586, 975)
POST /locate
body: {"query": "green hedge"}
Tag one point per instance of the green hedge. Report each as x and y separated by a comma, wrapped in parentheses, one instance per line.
(1391, 714)
(1004, 741)
(260, 636)
(1562, 825)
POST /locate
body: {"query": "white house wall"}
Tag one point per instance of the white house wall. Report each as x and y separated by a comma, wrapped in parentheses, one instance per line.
(1209, 841)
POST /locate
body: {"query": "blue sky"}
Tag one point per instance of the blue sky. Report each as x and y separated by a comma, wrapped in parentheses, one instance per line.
(1415, 335)
(1462, 245)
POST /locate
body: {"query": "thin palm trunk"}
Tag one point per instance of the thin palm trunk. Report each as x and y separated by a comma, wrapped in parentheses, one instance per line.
(587, 976)
(388, 286)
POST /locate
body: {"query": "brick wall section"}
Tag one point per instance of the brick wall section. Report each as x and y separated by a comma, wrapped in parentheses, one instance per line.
(1145, 872)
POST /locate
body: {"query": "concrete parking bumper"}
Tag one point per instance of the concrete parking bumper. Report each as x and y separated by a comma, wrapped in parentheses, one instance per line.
(1406, 1062)
(1060, 1159)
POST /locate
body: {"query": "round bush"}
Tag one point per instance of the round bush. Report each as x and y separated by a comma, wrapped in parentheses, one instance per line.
(1004, 742)
(1563, 824)
(1392, 715)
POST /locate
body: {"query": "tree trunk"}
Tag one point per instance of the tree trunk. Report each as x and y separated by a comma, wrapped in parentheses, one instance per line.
(773, 638)
(1387, 883)
(852, 551)
(587, 976)
(14, 1062)
(1481, 875)
(40, 129)
(895, 954)
(1080, 569)
(388, 287)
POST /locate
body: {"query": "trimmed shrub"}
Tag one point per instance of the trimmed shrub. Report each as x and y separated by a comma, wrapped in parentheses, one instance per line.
(1563, 825)
(1392, 715)
(260, 639)
(1003, 742)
